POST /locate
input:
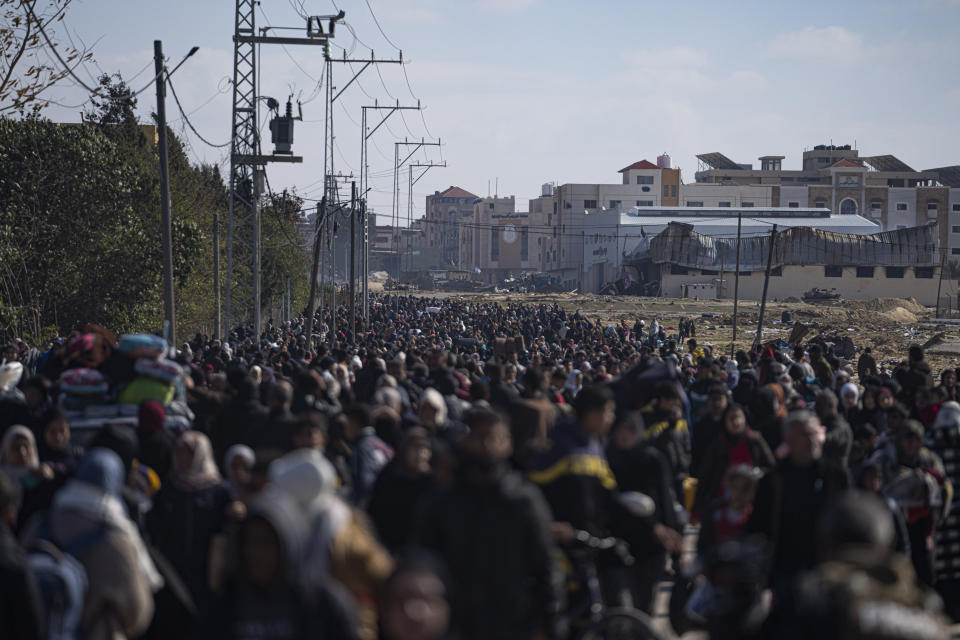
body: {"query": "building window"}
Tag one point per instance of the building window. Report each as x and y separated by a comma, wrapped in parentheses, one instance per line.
(923, 272)
(820, 204)
(495, 243)
(615, 204)
(793, 205)
(956, 208)
(677, 270)
(524, 243)
(746, 273)
(848, 207)
(666, 191)
(491, 205)
(832, 271)
(724, 204)
(931, 206)
(644, 203)
(673, 191)
(955, 229)
(589, 204)
(747, 205)
(901, 206)
(694, 203)
(709, 272)
(864, 272)
(776, 272)
(955, 252)
(896, 272)
(644, 179)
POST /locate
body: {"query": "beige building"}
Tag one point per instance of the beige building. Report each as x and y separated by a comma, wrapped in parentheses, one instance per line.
(882, 188)
(498, 241)
(444, 213)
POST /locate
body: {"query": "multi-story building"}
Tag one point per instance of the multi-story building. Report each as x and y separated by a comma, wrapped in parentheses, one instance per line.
(498, 241)
(882, 188)
(445, 211)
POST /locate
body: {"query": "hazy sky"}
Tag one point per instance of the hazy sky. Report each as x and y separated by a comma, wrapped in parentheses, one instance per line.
(530, 91)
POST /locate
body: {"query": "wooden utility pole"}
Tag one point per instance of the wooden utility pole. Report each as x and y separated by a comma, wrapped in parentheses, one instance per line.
(165, 225)
(216, 273)
(317, 238)
(766, 281)
(943, 263)
(736, 286)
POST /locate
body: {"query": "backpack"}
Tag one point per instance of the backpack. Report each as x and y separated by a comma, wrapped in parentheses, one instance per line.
(61, 579)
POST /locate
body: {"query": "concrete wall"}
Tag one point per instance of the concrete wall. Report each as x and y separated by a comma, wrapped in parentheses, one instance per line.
(798, 279)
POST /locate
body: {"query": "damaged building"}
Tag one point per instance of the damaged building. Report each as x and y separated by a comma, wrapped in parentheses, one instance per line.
(679, 262)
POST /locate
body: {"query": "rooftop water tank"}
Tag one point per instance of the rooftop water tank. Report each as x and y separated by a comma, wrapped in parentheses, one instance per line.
(663, 161)
(546, 189)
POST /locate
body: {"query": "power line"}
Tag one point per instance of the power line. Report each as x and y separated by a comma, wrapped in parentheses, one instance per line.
(69, 70)
(187, 120)
(382, 32)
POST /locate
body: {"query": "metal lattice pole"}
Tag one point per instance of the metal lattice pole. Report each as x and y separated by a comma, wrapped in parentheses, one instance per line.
(242, 226)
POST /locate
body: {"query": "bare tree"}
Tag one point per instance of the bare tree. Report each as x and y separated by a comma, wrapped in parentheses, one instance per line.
(32, 61)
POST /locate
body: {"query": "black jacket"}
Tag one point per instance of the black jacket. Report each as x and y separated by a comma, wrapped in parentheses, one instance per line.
(396, 502)
(717, 460)
(21, 614)
(495, 538)
(786, 510)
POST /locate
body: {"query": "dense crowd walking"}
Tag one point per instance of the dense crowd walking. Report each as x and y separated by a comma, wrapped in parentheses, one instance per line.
(460, 470)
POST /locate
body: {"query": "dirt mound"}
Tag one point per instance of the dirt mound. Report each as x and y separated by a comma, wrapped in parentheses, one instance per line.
(883, 305)
(899, 315)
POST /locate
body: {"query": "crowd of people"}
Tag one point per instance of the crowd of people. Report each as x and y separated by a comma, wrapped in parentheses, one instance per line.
(439, 471)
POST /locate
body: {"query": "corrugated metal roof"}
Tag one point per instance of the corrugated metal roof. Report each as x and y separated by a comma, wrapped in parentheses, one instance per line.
(679, 244)
(950, 176)
(888, 163)
(717, 160)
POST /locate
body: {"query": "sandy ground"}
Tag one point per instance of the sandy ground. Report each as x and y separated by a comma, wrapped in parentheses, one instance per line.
(888, 325)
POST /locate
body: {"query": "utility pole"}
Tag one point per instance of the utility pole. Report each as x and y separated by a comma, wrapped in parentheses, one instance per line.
(247, 162)
(766, 282)
(165, 224)
(216, 272)
(396, 188)
(736, 286)
(723, 256)
(317, 236)
(364, 188)
(943, 263)
(353, 261)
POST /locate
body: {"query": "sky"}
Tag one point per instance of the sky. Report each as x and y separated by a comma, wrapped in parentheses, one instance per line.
(522, 92)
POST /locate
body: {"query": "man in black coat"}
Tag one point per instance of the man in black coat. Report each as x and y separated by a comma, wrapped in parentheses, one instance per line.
(493, 530)
(791, 498)
(21, 614)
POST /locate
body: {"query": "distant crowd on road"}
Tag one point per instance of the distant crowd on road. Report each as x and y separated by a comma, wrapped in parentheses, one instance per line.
(461, 470)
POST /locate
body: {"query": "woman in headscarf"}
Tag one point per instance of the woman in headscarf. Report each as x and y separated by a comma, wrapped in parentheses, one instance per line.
(849, 401)
(767, 412)
(341, 543)
(239, 463)
(189, 510)
(267, 595)
(20, 462)
(121, 577)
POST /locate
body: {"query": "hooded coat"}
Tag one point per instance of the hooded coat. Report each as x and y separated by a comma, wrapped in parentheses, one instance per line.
(120, 574)
(294, 609)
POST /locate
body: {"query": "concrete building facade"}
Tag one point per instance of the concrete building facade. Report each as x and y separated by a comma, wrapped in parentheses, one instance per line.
(445, 211)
